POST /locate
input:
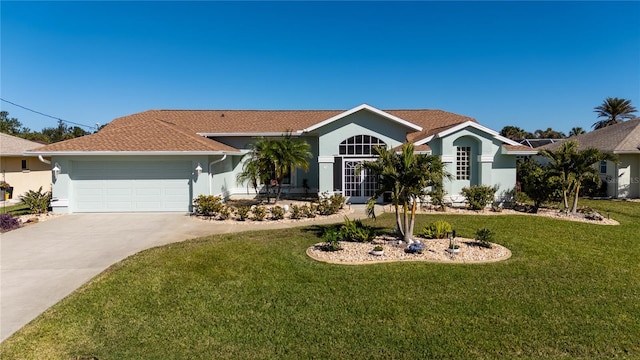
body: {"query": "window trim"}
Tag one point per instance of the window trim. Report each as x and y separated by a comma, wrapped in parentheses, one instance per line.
(463, 163)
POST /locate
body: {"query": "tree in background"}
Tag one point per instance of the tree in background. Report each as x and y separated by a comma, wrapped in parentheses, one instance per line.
(549, 134)
(576, 131)
(9, 125)
(514, 133)
(13, 126)
(614, 110)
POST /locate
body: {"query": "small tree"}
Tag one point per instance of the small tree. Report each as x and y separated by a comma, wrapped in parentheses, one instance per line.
(583, 169)
(479, 196)
(538, 183)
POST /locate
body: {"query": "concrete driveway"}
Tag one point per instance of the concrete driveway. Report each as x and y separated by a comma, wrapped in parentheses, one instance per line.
(40, 264)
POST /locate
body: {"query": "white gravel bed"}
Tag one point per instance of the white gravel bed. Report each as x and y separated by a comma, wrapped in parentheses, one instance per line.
(434, 251)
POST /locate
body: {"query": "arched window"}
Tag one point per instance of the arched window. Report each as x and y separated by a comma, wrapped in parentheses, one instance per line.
(360, 145)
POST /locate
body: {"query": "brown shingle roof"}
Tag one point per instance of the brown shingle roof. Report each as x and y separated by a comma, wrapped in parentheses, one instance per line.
(15, 146)
(621, 137)
(176, 130)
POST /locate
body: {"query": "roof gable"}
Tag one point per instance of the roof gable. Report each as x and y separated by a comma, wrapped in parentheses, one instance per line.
(364, 107)
(623, 137)
(442, 132)
(14, 146)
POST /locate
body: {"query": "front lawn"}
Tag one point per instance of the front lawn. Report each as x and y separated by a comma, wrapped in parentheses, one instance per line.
(570, 290)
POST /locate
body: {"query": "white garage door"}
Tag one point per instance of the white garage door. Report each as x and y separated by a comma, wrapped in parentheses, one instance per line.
(130, 186)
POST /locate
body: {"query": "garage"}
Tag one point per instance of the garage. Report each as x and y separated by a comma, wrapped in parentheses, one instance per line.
(130, 186)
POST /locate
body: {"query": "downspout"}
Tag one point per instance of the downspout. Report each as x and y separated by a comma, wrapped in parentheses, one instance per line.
(210, 171)
(44, 160)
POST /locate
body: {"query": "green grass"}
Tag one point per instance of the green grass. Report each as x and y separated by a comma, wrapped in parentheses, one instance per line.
(17, 209)
(570, 290)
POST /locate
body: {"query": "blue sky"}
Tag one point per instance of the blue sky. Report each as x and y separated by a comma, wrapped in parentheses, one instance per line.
(529, 64)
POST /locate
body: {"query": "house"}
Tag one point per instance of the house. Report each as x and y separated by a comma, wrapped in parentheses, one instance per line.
(159, 160)
(22, 172)
(622, 139)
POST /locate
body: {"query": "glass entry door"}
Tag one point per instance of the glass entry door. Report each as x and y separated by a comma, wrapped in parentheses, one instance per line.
(357, 187)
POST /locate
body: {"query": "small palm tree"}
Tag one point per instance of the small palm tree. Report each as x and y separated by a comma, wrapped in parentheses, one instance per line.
(406, 176)
(560, 162)
(576, 131)
(582, 168)
(614, 110)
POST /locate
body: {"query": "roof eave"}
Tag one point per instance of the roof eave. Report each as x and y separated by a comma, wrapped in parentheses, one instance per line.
(130, 153)
(363, 107)
(249, 134)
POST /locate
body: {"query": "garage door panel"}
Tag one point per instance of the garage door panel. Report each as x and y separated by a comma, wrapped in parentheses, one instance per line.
(131, 186)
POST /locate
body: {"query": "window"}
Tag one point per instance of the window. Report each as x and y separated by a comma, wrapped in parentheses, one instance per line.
(24, 165)
(463, 163)
(360, 145)
(603, 167)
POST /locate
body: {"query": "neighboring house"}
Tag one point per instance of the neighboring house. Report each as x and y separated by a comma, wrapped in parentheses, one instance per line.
(534, 143)
(159, 160)
(622, 139)
(22, 172)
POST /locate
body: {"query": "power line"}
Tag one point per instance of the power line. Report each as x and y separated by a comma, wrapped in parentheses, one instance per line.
(49, 116)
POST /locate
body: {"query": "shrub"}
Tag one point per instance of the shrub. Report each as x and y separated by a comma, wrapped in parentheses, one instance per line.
(356, 231)
(296, 212)
(329, 205)
(331, 238)
(37, 201)
(479, 196)
(378, 248)
(8, 222)
(484, 237)
(436, 230)
(208, 205)
(277, 213)
(259, 212)
(308, 211)
(225, 212)
(243, 213)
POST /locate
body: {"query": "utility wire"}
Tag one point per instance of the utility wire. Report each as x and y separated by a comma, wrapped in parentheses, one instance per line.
(49, 116)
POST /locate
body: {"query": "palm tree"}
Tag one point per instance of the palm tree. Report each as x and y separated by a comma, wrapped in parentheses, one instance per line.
(270, 160)
(560, 162)
(407, 176)
(287, 154)
(582, 168)
(614, 110)
(576, 131)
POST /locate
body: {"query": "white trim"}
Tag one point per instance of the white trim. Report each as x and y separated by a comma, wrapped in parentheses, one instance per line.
(368, 108)
(447, 158)
(463, 125)
(249, 134)
(326, 159)
(485, 158)
(626, 152)
(129, 153)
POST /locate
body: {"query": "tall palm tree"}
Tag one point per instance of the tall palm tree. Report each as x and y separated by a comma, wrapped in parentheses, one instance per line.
(576, 131)
(407, 176)
(614, 110)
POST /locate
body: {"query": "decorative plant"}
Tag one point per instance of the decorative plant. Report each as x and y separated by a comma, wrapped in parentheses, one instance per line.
(259, 212)
(308, 211)
(329, 205)
(208, 205)
(331, 237)
(4, 185)
(277, 213)
(225, 212)
(355, 230)
(378, 248)
(37, 201)
(8, 222)
(243, 213)
(415, 248)
(484, 237)
(296, 212)
(479, 196)
(436, 230)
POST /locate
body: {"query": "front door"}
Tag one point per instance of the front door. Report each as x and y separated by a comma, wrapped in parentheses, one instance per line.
(357, 186)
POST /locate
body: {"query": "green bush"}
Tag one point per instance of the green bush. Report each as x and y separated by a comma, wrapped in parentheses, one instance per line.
(308, 211)
(8, 222)
(37, 201)
(331, 238)
(208, 205)
(243, 213)
(479, 196)
(436, 230)
(259, 212)
(296, 212)
(484, 237)
(277, 213)
(225, 212)
(329, 205)
(355, 230)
